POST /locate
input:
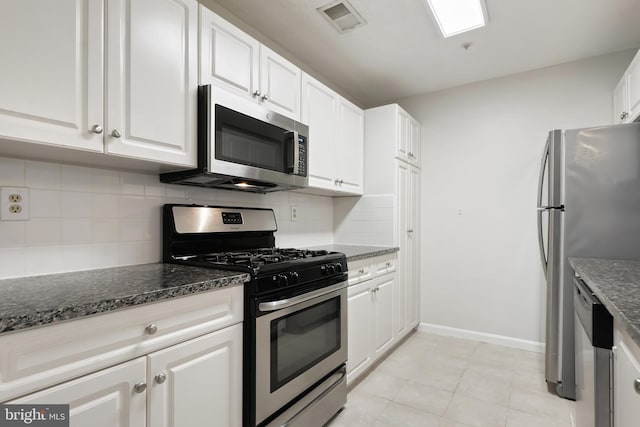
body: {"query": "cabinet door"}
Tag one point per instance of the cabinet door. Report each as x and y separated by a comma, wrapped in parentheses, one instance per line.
(152, 79)
(280, 83)
(414, 137)
(413, 248)
(229, 58)
(202, 381)
(384, 310)
(402, 224)
(633, 91)
(620, 103)
(402, 138)
(360, 334)
(349, 152)
(104, 399)
(626, 369)
(51, 76)
(319, 111)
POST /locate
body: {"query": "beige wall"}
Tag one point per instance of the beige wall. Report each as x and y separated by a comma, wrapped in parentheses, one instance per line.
(481, 146)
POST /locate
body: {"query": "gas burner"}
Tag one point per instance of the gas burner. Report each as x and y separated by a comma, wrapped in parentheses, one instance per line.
(257, 257)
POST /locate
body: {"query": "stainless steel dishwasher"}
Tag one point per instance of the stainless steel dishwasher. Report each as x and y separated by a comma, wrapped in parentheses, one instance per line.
(593, 339)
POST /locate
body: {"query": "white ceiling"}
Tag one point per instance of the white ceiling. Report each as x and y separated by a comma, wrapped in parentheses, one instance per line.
(400, 52)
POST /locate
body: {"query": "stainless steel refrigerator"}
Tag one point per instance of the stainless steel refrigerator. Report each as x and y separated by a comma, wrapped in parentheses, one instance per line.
(588, 206)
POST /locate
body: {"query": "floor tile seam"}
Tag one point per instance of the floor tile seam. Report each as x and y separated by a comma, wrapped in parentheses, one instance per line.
(418, 409)
(473, 397)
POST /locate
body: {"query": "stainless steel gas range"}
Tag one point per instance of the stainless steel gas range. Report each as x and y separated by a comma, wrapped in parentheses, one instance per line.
(295, 322)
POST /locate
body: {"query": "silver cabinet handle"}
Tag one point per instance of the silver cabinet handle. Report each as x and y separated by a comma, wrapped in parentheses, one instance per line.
(96, 129)
(256, 94)
(265, 97)
(341, 181)
(140, 387)
(336, 181)
(361, 271)
(624, 115)
(636, 385)
(160, 378)
(151, 329)
(116, 133)
(410, 230)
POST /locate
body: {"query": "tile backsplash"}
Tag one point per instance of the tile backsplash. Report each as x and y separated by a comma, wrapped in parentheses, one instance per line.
(84, 218)
(366, 220)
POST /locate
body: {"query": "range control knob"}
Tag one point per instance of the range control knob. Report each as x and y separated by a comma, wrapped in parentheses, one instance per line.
(323, 270)
(294, 278)
(338, 267)
(283, 280)
(331, 269)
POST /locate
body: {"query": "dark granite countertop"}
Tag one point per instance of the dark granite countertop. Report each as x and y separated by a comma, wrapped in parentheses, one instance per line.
(40, 300)
(357, 252)
(617, 284)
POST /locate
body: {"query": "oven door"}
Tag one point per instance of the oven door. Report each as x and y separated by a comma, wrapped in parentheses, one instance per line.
(299, 341)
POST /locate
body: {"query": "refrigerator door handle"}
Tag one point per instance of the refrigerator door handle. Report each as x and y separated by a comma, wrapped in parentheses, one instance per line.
(554, 271)
(541, 208)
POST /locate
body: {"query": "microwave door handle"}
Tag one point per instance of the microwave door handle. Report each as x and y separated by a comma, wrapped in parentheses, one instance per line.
(294, 159)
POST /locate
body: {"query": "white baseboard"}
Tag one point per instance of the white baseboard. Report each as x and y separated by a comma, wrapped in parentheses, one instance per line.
(481, 336)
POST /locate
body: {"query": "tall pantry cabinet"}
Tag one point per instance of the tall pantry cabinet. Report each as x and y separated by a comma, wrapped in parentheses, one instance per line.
(392, 145)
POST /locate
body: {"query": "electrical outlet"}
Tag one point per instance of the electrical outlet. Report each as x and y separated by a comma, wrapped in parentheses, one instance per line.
(294, 213)
(14, 204)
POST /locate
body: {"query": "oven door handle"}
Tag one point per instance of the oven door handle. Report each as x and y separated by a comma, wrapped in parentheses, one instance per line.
(284, 303)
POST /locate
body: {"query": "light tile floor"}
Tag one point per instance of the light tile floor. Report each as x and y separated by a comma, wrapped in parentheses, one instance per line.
(438, 381)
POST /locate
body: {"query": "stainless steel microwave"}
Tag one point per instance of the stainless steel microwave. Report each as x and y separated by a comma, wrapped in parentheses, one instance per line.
(244, 146)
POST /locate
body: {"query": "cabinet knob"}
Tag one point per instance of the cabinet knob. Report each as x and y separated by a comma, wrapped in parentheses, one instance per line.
(140, 387)
(624, 115)
(116, 133)
(388, 264)
(636, 385)
(256, 94)
(341, 181)
(410, 154)
(161, 377)
(96, 129)
(361, 271)
(265, 97)
(151, 329)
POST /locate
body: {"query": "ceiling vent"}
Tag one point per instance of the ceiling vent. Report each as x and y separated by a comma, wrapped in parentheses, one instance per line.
(342, 16)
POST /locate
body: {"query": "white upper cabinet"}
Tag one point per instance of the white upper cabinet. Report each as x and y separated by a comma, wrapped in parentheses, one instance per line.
(626, 95)
(336, 138)
(51, 73)
(152, 76)
(235, 61)
(394, 124)
(348, 153)
(320, 112)
(229, 58)
(54, 80)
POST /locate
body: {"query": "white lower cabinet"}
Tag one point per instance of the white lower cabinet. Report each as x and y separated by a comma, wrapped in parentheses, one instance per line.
(626, 381)
(371, 317)
(172, 363)
(103, 399)
(193, 383)
(183, 385)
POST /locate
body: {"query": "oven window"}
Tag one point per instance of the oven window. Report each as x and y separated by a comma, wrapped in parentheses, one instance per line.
(302, 339)
(248, 141)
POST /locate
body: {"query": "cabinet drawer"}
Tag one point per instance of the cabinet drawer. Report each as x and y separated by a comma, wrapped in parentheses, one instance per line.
(40, 357)
(360, 270)
(385, 264)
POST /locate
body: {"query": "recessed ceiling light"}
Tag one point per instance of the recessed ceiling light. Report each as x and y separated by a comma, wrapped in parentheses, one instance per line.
(458, 16)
